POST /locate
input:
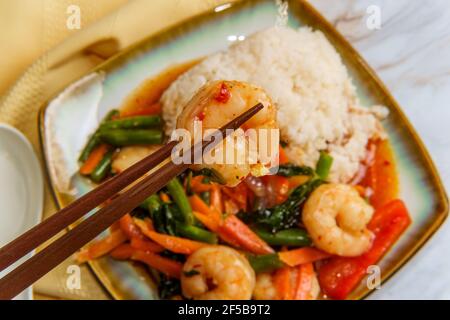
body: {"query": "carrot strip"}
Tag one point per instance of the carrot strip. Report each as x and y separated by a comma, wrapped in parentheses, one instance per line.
(101, 247)
(239, 232)
(164, 197)
(171, 243)
(128, 227)
(169, 267)
(198, 186)
(304, 282)
(303, 255)
(199, 205)
(122, 252)
(216, 198)
(282, 281)
(94, 158)
(145, 245)
(210, 223)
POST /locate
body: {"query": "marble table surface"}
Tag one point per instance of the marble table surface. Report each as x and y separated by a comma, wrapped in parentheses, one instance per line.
(411, 53)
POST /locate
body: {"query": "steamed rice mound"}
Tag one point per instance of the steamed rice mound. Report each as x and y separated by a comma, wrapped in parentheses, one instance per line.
(310, 87)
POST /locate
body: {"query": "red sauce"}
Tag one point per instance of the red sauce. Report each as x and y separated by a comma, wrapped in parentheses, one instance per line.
(224, 94)
(382, 176)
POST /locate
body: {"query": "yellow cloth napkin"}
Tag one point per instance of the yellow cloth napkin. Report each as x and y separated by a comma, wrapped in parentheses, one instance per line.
(123, 22)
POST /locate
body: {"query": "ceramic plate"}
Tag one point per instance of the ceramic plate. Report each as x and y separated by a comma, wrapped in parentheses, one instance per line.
(72, 115)
(21, 190)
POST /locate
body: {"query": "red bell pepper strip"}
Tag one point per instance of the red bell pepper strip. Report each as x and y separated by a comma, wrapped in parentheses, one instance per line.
(340, 275)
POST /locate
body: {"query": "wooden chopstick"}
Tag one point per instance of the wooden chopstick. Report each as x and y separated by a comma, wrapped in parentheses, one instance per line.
(41, 263)
(74, 211)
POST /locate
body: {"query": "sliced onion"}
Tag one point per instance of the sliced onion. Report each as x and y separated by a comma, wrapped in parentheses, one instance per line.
(256, 185)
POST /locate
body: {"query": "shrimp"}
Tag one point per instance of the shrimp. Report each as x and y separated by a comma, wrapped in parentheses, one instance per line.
(265, 288)
(217, 103)
(217, 273)
(336, 218)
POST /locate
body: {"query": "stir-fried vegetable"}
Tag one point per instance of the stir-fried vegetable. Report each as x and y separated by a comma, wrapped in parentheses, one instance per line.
(247, 239)
(195, 233)
(265, 263)
(287, 214)
(289, 237)
(324, 165)
(131, 123)
(258, 215)
(209, 175)
(101, 247)
(303, 255)
(304, 282)
(126, 137)
(102, 168)
(174, 244)
(290, 170)
(94, 158)
(94, 140)
(179, 196)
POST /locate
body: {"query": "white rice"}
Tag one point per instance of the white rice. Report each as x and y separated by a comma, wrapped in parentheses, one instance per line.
(317, 105)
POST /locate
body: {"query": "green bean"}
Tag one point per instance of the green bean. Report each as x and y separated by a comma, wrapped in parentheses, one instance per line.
(132, 123)
(151, 204)
(102, 168)
(123, 137)
(195, 233)
(94, 140)
(324, 165)
(265, 263)
(179, 196)
(288, 237)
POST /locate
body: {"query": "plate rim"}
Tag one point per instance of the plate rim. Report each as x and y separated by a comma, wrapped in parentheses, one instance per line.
(153, 40)
(37, 214)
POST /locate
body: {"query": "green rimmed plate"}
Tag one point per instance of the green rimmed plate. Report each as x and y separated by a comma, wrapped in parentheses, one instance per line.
(73, 114)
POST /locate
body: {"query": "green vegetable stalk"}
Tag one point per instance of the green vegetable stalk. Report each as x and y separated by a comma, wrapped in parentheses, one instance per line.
(289, 237)
(290, 170)
(265, 263)
(125, 137)
(195, 233)
(179, 196)
(132, 123)
(324, 165)
(94, 140)
(103, 167)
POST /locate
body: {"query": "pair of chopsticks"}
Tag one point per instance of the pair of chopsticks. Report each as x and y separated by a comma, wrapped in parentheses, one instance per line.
(34, 268)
